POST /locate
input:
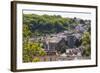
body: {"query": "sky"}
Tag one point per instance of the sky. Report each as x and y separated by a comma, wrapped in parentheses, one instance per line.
(69, 14)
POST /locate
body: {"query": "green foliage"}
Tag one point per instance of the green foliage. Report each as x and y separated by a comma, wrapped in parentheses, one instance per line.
(26, 31)
(46, 24)
(26, 58)
(86, 38)
(86, 43)
(32, 49)
(36, 59)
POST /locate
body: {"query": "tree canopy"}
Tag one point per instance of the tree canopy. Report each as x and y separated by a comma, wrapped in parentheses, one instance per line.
(42, 24)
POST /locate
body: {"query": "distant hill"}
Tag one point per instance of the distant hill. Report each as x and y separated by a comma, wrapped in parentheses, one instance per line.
(46, 24)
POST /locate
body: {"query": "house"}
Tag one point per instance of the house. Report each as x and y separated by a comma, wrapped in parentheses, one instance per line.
(54, 44)
(71, 41)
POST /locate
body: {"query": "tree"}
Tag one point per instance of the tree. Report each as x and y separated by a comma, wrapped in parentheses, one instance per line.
(41, 24)
(26, 31)
(32, 49)
(86, 44)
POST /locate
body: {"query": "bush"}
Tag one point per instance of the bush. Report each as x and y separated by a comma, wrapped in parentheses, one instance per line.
(86, 43)
(36, 59)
